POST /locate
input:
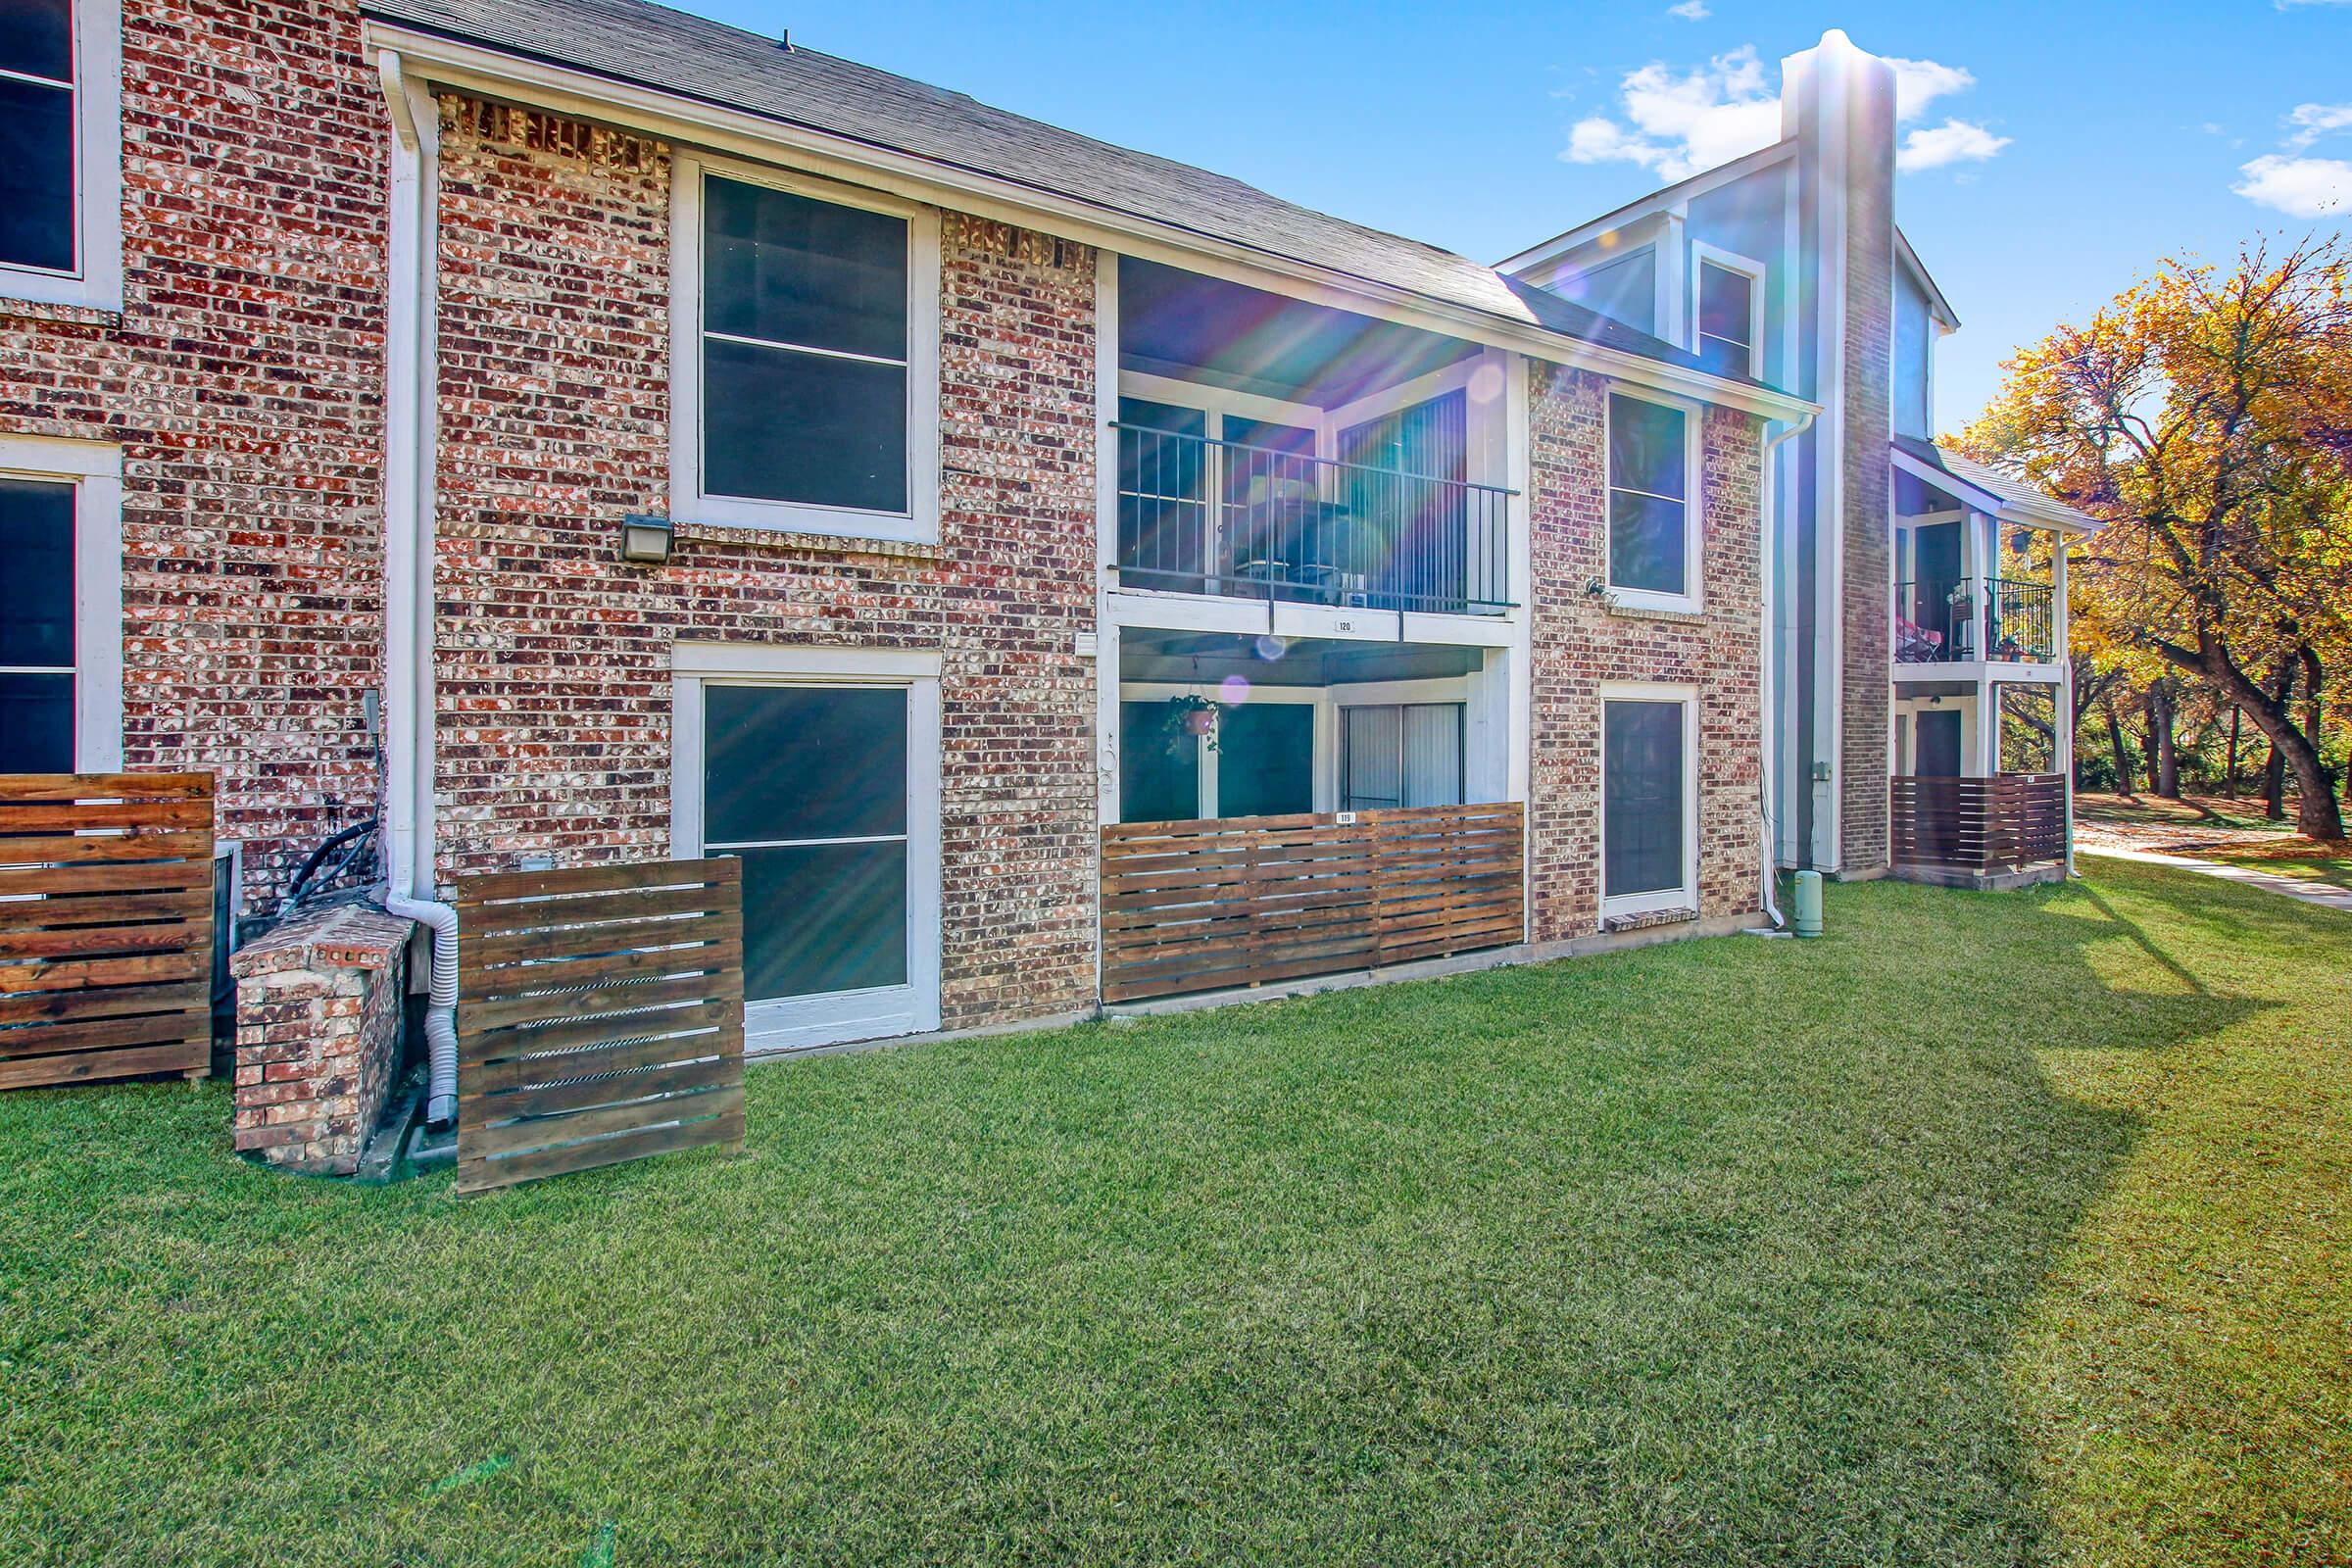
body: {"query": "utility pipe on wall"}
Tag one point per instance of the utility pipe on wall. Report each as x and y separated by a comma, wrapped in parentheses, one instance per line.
(1769, 631)
(407, 564)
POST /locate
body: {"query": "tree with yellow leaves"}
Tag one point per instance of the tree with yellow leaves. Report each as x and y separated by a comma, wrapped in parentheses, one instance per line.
(2205, 419)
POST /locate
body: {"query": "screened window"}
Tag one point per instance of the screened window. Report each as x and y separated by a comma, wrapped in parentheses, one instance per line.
(1645, 812)
(807, 784)
(1159, 766)
(805, 372)
(1407, 753)
(1649, 504)
(1727, 331)
(39, 110)
(36, 626)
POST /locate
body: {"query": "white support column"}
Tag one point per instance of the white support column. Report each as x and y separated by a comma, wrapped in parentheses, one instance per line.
(2062, 750)
(1988, 730)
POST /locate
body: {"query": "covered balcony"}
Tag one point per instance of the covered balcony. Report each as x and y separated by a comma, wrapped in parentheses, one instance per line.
(1298, 455)
(2002, 620)
(1287, 808)
(1979, 795)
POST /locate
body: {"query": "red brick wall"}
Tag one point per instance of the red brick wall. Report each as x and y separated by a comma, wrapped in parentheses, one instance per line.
(554, 732)
(1867, 586)
(1581, 643)
(243, 379)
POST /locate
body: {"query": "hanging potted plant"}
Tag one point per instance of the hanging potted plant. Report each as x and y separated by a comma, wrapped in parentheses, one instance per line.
(1190, 717)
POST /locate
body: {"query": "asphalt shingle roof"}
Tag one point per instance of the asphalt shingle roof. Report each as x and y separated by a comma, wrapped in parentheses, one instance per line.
(2003, 487)
(668, 51)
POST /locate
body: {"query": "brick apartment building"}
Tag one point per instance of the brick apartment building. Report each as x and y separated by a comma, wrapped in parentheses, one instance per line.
(600, 435)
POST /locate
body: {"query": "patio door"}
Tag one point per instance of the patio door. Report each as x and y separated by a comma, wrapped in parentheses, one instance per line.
(1938, 733)
(1419, 529)
(828, 794)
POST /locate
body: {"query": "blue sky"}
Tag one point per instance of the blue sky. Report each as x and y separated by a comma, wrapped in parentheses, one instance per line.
(2091, 141)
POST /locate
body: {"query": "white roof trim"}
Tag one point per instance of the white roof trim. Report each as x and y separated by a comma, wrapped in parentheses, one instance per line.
(673, 117)
(1698, 185)
(1937, 303)
(2001, 509)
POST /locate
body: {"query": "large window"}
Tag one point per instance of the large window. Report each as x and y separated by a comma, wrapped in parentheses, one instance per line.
(1648, 810)
(1653, 544)
(60, 151)
(819, 769)
(61, 618)
(1729, 321)
(1400, 754)
(812, 390)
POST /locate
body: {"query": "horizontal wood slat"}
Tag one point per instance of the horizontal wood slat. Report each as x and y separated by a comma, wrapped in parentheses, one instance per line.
(1246, 901)
(601, 1017)
(2003, 823)
(106, 926)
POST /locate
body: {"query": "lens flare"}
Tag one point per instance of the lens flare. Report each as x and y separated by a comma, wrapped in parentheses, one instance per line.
(1233, 690)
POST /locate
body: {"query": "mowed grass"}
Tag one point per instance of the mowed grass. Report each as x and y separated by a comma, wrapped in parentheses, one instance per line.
(1990, 1229)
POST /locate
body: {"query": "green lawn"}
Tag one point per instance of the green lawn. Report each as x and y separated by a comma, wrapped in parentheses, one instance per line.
(1990, 1229)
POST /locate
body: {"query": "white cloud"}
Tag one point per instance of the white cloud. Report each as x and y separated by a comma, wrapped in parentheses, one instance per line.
(1955, 141)
(1684, 123)
(1691, 11)
(2300, 187)
(2314, 121)
(1679, 123)
(1920, 82)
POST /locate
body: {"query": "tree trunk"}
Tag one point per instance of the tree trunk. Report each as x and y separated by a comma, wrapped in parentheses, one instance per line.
(2274, 785)
(2316, 812)
(2122, 753)
(2165, 765)
(2230, 779)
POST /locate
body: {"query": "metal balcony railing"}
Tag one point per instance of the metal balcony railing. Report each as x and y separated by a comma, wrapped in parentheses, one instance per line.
(1995, 618)
(1205, 517)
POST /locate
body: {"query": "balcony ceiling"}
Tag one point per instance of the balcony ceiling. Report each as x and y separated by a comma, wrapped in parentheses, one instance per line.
(1178, 323)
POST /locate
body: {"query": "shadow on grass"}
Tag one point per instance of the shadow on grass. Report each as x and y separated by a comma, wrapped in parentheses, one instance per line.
(1707, 1253)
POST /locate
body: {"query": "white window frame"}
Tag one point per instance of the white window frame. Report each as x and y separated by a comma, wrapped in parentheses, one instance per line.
(1685, 897)
(688, 501)
(1704, 256)
(1693, 598)
(95, 281)
(776, 1025)
(94, 469)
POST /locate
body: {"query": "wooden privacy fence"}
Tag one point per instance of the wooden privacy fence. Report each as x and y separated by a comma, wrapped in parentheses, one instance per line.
(1244, 901)
(601, 1017)
(106, 926)
(2003, 823)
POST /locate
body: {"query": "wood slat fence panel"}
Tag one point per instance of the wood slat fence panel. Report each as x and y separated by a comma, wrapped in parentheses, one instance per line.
(2005, 823)
(106, 926)
(1244, 901)
(600, 1017)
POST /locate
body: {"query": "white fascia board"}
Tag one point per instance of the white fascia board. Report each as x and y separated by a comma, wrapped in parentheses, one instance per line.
(2000, 509)
(1658, 201)
(670, 117)
(1939, 307)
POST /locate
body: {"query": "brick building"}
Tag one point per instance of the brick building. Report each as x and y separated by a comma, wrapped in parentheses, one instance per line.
(703, 445)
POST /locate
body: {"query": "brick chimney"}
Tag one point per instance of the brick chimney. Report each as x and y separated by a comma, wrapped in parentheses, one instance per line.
(1840, 102)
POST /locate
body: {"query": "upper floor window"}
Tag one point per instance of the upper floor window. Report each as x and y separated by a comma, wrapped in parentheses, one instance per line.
(805, 387)
(1653, 529)
(1730, 315)
(61, 151)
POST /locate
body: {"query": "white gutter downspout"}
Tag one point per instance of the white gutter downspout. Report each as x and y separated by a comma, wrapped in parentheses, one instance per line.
(1767, 785)
(407, 566)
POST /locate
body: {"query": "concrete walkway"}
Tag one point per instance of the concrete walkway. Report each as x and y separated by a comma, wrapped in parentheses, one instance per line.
(2324, 893)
